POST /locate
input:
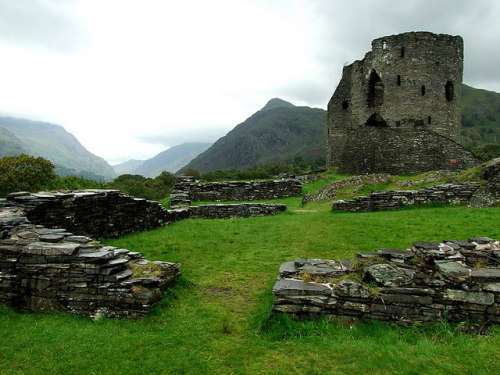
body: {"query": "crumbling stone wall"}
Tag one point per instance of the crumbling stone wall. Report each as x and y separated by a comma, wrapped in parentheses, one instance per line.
(187, 190)
(97, 213)
(46, 270)
(396, 199)
(231, 211)
(452, 280)
(398, 110)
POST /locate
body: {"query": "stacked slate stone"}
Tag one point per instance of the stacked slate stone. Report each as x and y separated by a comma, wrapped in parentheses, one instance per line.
(452, 280)
(230, 211)
(187, 190)
(98, 213)
(181, 193)
(395, 199)
(51, 269)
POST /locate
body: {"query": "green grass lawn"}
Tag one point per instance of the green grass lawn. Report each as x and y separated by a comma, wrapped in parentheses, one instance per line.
(217, 319)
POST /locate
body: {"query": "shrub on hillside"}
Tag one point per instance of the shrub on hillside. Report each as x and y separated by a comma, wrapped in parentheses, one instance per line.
(143, 187)
(25, 173)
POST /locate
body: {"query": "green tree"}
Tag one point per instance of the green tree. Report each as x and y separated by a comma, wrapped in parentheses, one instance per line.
(25, 173)
(166, 179)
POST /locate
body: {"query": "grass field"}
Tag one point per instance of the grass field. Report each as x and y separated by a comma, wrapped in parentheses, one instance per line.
(217, 319)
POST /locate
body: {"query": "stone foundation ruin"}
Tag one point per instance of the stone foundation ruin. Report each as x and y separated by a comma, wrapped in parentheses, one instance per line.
(97, 213)
(45, 270)
(396, 199)
(187, 189)
(452, 280)
(476, 194)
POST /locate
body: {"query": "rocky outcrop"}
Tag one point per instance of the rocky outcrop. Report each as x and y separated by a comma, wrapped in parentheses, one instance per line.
(452, 280)
(396, 199)
(488, 195)
(45, 270)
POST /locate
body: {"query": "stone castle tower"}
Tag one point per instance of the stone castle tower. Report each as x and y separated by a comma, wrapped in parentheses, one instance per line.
(398, 109)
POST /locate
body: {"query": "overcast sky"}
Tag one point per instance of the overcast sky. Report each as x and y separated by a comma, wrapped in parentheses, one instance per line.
(130, 78)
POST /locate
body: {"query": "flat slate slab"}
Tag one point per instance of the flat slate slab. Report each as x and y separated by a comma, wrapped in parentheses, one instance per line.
(290, 287)
(51, 249)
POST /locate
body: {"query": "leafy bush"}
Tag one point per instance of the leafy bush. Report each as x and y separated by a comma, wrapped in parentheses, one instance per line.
(71, 182)
(144, 187)
(25, 173)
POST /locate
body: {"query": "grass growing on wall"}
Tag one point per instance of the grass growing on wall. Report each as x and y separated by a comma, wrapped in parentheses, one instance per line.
(217, 319)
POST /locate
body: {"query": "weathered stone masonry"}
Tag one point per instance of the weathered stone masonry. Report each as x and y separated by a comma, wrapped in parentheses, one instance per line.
(51, 269)
(398, 110)
(395, 199)
(452, 280)
(187, 190)
(47, 269)
(97, 213)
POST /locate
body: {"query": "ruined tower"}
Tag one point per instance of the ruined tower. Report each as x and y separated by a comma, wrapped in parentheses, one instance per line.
(398, 109)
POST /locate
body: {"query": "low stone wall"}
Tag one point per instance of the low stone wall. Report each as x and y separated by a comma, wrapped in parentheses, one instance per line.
(45, 270)
(452, 280)
(187, 190)
(230, 211)
(97, 213)
(395, 199)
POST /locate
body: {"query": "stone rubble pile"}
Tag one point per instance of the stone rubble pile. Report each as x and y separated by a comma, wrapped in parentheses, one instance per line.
(395, 199)
(187, 189)
(45, 270)
(452, 280)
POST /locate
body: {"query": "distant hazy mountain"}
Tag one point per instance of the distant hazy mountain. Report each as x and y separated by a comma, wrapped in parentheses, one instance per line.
(51, 142)
(278, 132)
(127, 167)
(170, 160)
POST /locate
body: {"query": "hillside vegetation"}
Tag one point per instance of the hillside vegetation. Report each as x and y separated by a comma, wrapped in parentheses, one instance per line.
(480, 116)
(277, 133)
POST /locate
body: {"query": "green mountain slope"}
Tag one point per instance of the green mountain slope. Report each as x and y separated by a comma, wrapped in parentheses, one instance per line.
(171, 160)
(56, 144)
(279, 132)
(480, 116)
(10, 145)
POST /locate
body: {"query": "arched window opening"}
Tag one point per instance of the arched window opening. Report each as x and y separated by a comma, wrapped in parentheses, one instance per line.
(449, 90)
(429, 120)
(345, 104)
(384, 45)
(399, 80)
(375, 90)
(376, 120)
(422, 90)
(402, 52)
